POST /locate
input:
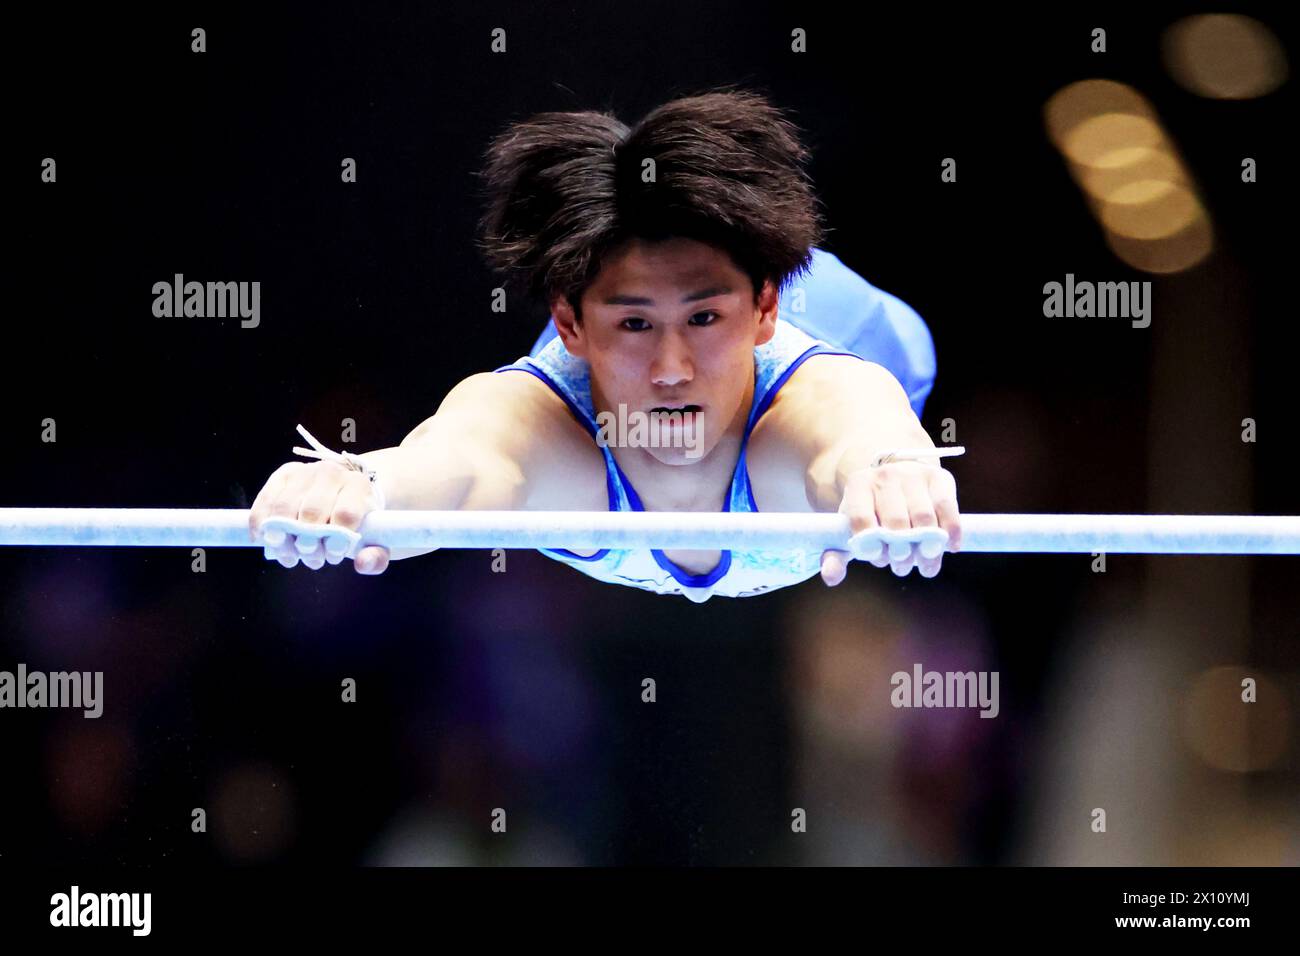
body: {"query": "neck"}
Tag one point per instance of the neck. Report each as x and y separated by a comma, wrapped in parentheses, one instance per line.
(700, 485)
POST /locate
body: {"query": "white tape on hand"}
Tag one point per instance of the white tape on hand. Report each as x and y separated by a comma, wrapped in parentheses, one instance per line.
(347, 460)
(338, 540)
(869, 545)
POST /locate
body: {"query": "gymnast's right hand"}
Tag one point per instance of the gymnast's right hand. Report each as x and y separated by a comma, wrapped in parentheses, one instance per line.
(319, 492)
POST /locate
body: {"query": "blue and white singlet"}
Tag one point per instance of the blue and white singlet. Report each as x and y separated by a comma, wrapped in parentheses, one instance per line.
(842, 314)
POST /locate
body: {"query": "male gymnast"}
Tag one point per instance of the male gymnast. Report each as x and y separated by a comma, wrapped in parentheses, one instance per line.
(679, 260)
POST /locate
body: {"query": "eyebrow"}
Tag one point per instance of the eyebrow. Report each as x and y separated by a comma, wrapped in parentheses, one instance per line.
(642, 300)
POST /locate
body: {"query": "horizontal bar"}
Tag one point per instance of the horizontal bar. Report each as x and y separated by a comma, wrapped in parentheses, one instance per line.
(1021, 533)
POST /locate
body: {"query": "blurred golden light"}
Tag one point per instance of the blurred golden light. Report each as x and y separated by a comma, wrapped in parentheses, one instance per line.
(1169, 254)
(1228, 733)
(1150, 209)
(1259, 833)
(1079, 102)
(1123, 160)
(1224, 56)
(1119, 168)
(1099, 136)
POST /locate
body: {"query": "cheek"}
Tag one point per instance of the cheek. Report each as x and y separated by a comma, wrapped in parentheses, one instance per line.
(618, 374)
(728, 375)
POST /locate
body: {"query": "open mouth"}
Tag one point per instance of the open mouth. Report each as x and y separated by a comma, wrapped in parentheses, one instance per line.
(676, 408)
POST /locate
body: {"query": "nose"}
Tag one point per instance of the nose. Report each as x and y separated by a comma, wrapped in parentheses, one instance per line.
(673, 363)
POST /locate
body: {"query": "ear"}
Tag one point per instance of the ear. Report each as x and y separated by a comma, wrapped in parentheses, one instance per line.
(569, 328)
(768, 300)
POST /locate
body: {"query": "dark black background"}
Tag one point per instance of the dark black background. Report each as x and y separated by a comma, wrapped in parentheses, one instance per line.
(521, 690)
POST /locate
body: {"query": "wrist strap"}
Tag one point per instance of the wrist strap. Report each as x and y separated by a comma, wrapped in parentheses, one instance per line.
(344, 458)
(916, 454)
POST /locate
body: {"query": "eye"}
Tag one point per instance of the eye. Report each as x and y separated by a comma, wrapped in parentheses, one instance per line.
(633, 328)
(715, 317)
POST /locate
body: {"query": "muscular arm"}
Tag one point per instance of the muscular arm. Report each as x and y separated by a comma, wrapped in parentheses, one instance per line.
(812, 451)
(498, 441)
(833, 416)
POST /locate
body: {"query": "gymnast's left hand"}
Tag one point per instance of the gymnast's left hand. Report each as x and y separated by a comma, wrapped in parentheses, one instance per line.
(897, 496)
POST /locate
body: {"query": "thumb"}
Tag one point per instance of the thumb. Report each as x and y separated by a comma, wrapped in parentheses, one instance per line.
(371, 560)
(835, 565)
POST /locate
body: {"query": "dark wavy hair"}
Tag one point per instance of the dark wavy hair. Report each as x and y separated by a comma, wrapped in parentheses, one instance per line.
(562, 189)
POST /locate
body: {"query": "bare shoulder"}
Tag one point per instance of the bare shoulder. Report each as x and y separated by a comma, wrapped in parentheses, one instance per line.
(520, 417)
(509, 399)
(828, 377)
(830, 385)
(825, 392)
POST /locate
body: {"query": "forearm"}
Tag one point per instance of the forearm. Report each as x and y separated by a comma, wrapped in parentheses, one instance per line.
(830, 468)
(431, 476)
(833, 418)
(419, 476)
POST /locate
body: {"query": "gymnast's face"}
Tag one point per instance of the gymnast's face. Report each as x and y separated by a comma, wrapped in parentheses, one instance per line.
(670, 325)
